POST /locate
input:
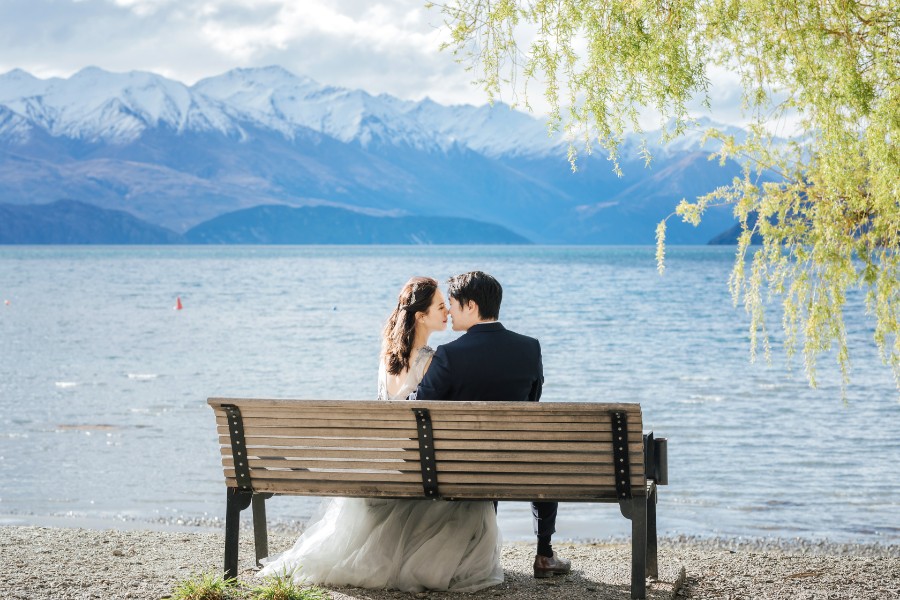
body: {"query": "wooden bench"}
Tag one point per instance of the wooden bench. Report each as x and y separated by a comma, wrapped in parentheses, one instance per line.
(522, 451)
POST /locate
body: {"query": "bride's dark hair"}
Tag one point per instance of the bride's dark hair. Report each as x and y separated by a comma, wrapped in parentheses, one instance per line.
(400, 329)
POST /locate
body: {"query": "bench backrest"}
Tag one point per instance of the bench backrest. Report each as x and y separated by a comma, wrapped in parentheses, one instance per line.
(482, 450)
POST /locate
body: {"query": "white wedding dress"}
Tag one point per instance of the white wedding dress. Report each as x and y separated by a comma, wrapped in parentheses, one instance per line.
(407, 545)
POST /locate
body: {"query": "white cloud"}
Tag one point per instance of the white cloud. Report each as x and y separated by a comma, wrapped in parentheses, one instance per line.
(376, 30)
(382, 46)
(143, 7)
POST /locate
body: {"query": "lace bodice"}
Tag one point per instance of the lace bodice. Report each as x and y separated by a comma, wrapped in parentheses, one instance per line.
(413, 376)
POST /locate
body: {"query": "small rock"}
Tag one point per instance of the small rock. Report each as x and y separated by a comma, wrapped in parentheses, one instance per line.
(118, 552)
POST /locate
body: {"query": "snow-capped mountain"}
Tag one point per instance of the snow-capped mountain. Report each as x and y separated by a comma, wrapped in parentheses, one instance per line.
(177, 155)
(95, 105)
(275, 99)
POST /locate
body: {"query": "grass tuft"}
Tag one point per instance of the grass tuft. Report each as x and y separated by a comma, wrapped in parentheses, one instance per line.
(207, 586)
(281, 586)
(212, 586)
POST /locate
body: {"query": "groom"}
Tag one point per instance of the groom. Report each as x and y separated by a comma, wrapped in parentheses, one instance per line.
(490, 362)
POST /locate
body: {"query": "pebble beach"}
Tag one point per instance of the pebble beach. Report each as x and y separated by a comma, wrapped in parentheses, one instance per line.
(62, 563)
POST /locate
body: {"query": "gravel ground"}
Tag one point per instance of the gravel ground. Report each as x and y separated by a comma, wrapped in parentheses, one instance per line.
(79, 564)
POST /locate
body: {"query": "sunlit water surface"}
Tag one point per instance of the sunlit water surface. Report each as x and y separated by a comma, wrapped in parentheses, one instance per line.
(103, 386)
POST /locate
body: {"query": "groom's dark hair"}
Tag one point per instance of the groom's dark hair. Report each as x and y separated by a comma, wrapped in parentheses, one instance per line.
(480, 288)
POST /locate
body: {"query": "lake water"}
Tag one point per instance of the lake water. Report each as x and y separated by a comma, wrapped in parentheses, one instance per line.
(103, 386)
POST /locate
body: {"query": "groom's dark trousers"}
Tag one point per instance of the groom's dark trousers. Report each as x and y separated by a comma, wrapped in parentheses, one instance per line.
(489, 362)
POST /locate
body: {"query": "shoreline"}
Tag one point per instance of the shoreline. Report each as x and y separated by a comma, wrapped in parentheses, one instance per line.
(293, 528)
(77, 563)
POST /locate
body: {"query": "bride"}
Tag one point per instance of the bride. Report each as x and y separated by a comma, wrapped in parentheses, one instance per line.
(407, 545)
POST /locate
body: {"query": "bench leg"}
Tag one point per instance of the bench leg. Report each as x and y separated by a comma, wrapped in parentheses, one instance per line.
(639, 547)
(237, 500)
(260, 533)
(652, 564)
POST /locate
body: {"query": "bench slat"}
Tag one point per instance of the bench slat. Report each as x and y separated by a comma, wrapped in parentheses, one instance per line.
(259, 466)
(396, 443)
(508, 445)
(334, 453)
(297, 483)
(335, 488)
(301, 433)
(591, 479)
(522, 493)
(360, 431)
(526, 493)
(382, 406)
(442, 455)
(412, 466)
(493, 422)
(580, 453)
(445, 414)
(387, 463)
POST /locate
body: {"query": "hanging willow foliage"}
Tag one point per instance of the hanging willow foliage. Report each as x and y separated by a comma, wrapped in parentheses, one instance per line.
(825, 204)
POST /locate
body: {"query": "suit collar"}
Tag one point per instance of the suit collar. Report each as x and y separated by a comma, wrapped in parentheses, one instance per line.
(488, 327)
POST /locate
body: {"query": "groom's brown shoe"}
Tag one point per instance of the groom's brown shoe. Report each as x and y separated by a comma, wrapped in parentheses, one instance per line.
(549, 566)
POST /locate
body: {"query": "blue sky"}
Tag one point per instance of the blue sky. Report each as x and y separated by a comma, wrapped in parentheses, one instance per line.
(389, 46)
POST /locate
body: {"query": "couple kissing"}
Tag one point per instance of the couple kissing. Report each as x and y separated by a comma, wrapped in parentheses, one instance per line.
(418, 545)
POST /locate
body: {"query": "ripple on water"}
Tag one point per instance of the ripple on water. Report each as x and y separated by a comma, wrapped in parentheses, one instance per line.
(142, 376)
(699, 378)
(87, 427)
(701, 399)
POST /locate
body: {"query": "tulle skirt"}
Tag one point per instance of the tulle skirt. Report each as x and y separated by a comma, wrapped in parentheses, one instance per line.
(407, 545)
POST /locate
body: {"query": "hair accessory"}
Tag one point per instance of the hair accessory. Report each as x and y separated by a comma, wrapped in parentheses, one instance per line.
(412, 298)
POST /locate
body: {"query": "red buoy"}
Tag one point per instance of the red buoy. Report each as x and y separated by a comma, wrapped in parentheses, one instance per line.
(178, 303)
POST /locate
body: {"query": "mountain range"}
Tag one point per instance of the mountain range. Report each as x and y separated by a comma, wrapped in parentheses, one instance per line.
(233, 159)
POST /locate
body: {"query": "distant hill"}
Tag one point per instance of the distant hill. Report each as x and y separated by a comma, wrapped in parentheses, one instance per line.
(730, 236)
(630, 216)
(329, 225)
(72, 222)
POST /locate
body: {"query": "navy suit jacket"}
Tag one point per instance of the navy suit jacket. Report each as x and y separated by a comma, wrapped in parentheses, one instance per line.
(488, 362)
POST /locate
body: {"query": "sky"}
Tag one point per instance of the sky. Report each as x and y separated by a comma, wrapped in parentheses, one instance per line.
(386, 46)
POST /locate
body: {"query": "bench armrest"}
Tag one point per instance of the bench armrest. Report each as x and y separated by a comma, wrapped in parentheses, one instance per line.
(662, 461)
(656, 459)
